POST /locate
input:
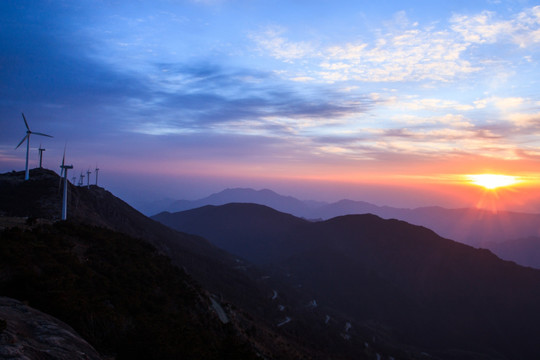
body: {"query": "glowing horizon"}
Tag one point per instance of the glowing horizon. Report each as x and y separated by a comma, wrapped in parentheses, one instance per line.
(340, 95)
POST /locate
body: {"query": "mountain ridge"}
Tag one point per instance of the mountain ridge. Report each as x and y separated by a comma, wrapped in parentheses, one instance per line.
(475, 227)
(445, 289)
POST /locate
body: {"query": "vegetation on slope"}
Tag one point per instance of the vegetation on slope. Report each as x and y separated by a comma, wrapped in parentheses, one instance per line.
(116, 291)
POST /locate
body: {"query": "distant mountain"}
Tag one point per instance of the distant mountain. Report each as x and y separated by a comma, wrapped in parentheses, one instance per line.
(475, 227)
(151, 207)
(427, 291)
(266, 197)
(273, 230)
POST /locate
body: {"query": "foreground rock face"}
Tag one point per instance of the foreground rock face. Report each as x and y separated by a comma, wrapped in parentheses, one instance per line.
(30, 334)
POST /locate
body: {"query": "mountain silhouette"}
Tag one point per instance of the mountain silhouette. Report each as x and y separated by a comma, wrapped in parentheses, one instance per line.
(475, 227)
(272, 229)
(426, 290)
(266, 197)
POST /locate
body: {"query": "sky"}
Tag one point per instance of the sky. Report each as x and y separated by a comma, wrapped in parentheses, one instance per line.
(390, 102)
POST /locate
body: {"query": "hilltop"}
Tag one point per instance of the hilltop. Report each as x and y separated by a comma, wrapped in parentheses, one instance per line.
(107, 254)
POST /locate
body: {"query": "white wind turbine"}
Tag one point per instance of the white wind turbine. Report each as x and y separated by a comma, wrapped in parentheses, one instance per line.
(88, 172)
(27, 138)
(63, 172)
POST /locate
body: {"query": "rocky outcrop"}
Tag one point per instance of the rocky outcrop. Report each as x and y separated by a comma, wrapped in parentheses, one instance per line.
(26, 333)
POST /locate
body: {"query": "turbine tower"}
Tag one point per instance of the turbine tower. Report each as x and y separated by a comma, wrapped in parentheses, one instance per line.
(41, 150)
(27, 138)
(88, 172)
(64, 171)
(81, 179)
(97, 169)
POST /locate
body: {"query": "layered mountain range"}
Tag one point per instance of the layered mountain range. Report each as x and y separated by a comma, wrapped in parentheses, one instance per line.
(511, 235)
(421, 288)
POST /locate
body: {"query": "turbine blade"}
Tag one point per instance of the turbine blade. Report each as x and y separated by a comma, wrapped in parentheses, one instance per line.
(36, 133)
(24, 138)
(25, 122)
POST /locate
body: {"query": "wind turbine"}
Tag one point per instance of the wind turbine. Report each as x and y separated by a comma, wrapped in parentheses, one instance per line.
(64, 171)
(27, 138)
(41, 150)
(88, 172)
(81, 178)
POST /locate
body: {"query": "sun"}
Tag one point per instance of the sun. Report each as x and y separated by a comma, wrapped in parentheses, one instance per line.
(493, 181)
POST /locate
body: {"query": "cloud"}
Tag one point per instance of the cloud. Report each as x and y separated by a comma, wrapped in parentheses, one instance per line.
(528, 123)
(272, 42)
(433, 104)
(522, 29)
(405, 51)
(207, 97)
(44, 68)
(40, 64)
(402, 54)
(480, 28)
(408, 55)
(210, 108)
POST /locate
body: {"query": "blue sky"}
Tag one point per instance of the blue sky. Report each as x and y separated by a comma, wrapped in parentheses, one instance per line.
(317, 99)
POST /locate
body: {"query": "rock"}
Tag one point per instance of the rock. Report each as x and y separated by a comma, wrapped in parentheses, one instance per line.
(30, 334)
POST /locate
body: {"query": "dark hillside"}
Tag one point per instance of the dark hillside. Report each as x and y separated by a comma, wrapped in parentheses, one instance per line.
(427, 291)
(273, 317)
(116, 291)
(241, 229)
(39, 199)
(463, 296)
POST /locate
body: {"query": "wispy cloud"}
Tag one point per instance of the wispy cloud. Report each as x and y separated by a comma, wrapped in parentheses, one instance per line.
(206, 97)
(522, 29)
(271, 41)
(407, 52)
(403, 54)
